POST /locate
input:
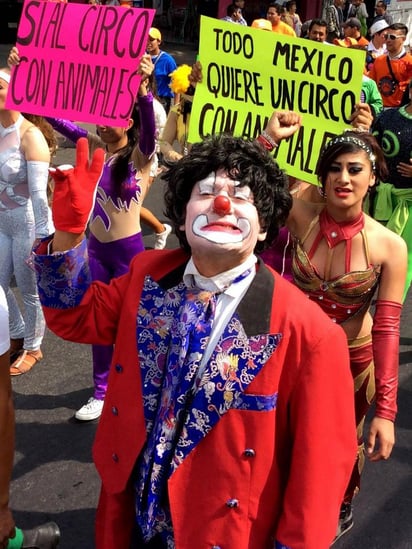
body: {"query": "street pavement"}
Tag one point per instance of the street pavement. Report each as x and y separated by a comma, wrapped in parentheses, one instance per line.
(54, 477)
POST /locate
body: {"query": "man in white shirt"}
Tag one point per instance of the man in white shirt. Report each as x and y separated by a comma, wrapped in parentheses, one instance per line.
(377, 44)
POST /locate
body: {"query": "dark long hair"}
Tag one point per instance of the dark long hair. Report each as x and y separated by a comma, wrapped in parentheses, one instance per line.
(352, 142)
(120, 166)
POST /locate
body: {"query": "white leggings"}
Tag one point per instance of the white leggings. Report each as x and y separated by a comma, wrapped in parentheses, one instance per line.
(16, 239)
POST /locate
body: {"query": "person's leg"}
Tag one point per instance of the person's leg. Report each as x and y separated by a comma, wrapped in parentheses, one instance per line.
(149, 219)
(16, 321)
(101, 354)
(362, 369)
(34, 323)
(162, 230)
(16, 325)
(107, 261)
(26, 280)
(6, 271)
(17, 234)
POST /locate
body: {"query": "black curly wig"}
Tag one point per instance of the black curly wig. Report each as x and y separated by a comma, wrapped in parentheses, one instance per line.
(252, 165)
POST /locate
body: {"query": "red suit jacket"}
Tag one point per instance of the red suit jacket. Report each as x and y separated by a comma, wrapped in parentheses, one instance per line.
(285, 469)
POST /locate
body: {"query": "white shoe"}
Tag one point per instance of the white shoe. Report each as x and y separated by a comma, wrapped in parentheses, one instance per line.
(160, 239)
(91, 410)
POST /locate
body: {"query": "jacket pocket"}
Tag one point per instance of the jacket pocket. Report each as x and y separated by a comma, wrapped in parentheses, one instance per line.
(256, 403)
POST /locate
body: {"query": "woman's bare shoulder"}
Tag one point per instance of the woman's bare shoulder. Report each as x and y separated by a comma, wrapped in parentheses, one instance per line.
(301, 215)
(383, 240)
(33, 142)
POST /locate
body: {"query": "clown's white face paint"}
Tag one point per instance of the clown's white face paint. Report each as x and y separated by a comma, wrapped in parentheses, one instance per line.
(221, 220)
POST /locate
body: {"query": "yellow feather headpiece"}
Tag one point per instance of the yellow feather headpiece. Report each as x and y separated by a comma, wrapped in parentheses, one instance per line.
(180, 79)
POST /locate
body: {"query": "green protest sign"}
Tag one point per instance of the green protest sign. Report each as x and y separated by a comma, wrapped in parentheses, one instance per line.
(248, 73)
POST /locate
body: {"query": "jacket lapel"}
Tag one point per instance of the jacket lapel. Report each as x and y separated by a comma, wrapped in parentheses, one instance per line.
(243, 349)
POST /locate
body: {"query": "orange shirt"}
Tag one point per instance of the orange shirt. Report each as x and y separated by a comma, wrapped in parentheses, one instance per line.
(283, 28)
(362, 42)
(391, 92)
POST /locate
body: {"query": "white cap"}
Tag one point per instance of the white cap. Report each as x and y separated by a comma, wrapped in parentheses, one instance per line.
(378, 27)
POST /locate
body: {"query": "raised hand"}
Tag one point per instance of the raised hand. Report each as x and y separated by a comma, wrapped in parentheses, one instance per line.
(75, 189)
(283, 124)
(14, 57)
(196, 74)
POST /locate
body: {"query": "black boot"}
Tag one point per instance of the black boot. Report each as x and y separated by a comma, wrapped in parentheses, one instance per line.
(345, 521)
(45, 536)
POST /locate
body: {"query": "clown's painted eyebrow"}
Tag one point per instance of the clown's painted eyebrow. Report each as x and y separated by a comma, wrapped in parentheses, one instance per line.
(208, 186)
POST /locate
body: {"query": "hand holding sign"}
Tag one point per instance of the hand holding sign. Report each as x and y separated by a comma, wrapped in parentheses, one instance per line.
(362, 117)
(75, 188)
(14, 57)
(146, 66)
(196, 74)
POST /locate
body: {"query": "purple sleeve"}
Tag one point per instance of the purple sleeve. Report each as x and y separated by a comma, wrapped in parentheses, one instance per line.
(70, 130)
(147, 125)
(62, 277)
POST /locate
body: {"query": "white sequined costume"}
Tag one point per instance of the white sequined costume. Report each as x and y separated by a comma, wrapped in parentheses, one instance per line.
(23, 217)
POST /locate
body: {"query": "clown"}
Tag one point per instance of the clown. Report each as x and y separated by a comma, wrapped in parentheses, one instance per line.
(222, 430)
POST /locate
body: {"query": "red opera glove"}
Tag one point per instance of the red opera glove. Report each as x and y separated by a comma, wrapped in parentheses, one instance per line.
(385, 343)
(74, 189)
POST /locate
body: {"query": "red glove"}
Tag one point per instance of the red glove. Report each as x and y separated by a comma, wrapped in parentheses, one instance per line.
(385, 343)
(75, 189)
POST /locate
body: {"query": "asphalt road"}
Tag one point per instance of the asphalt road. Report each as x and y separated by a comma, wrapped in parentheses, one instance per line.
(54, 477)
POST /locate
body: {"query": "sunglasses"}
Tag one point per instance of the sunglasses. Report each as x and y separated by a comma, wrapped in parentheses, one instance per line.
(393, 36)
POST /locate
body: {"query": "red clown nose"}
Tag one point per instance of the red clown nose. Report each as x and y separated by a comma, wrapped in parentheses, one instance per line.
(221, 204)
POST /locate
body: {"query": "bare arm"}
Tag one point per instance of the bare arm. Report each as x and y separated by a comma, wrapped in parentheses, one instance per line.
(34, 144)
(394, 265)
(385, 340)
(143, 153)
(168, 137)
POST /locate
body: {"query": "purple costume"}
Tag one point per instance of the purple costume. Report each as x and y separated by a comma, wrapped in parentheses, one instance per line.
(108, 260)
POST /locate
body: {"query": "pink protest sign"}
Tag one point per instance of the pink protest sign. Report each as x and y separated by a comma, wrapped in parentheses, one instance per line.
(79, 61)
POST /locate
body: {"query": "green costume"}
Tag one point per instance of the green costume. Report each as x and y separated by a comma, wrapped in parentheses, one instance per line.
(393, 205)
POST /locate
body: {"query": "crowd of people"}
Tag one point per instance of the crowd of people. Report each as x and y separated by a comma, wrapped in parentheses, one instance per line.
(212, 361)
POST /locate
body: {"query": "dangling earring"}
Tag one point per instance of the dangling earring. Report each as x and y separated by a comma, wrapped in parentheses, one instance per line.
(322, 192)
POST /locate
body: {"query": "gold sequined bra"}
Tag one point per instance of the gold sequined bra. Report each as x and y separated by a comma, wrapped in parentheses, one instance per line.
(343, 296)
